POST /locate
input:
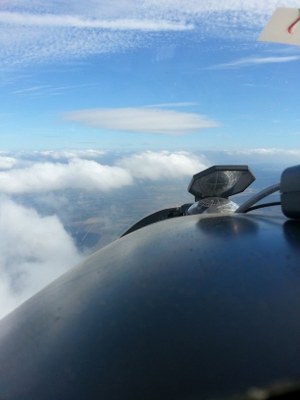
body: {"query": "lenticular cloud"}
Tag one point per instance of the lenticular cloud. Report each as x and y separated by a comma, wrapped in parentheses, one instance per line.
(143, 120)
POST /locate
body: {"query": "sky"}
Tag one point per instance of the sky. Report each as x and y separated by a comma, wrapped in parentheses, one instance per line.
(96, 96)
(147, 74)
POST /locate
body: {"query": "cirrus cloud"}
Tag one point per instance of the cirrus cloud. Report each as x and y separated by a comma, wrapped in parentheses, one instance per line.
(254, 61)
(73, 21)
(39, 31)
(143, 120)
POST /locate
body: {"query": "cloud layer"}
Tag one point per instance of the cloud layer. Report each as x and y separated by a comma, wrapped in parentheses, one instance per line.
(34, 250)
(7, 162)
(145, 120)
(76, 174)
(87, 174)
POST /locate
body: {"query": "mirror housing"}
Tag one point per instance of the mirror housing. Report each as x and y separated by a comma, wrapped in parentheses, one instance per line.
(290, 192)
(221, 181)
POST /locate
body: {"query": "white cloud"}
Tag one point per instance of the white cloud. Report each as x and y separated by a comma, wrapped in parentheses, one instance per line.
(7, 162)
(32, 90)
(267, 152)
(195, 6)
(25, 45)
(221, 18)
(248, 62)
(275, 157)
(34, 250)
(89, 175)
(38, 34)
(89, 154)
(49, 90)
(164, 164)
(76, 174)
(144, 120)
(65, 21)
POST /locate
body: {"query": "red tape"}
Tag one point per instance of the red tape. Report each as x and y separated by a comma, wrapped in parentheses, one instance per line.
(290, 28)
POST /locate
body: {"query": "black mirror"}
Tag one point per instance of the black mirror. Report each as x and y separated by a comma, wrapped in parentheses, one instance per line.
(221, 181)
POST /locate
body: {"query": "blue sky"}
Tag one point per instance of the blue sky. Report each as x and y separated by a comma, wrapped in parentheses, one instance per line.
(145, 75)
